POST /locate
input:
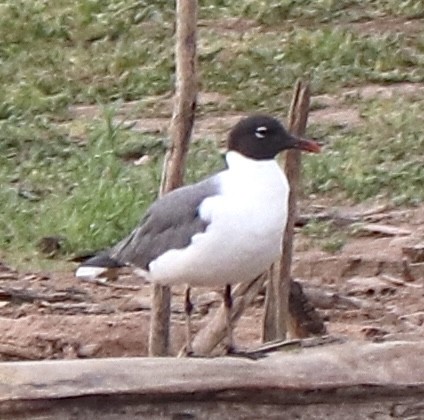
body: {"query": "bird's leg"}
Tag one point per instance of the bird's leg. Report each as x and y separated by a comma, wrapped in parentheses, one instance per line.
(228, 305)
(188, 309)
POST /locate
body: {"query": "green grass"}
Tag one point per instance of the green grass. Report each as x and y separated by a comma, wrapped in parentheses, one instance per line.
(64, 177)
(274, 12)
(382, 158)
(86, 194)
(326, 236)
(81, 51)
(263, 65)
(91, 50)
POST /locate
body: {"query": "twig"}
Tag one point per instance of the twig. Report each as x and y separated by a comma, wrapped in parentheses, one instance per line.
(337, 218)
(340, 218)
(288, 345)
(399, 282)
(78, 308)
(386, 230)
(105, 283)
(29, 295)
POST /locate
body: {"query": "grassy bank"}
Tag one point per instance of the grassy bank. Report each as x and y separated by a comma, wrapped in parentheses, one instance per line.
(67, 177)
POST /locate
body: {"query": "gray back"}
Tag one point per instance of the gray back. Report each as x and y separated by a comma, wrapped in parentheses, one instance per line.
(169, 223)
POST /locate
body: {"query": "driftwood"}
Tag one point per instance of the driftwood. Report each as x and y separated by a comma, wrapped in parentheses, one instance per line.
(349, 381)
(180, 131)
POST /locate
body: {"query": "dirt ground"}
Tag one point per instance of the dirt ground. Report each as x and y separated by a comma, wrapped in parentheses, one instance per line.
(373, 289)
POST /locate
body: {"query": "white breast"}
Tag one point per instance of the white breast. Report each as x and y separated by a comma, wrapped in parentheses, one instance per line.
(244, 235)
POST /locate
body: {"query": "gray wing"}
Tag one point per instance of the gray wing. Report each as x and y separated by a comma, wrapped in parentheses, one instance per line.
(169, 223)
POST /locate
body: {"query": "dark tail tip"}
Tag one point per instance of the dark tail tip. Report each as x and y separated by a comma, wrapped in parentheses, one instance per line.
(98, 266)
(102, 260)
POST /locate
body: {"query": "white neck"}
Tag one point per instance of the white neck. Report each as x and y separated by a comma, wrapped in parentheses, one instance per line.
(236, 160)
(264, 176)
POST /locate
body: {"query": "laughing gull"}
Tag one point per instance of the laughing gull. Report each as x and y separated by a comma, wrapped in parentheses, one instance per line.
(223, 230)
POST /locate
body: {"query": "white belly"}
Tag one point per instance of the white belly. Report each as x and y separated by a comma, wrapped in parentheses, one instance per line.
(243, 238)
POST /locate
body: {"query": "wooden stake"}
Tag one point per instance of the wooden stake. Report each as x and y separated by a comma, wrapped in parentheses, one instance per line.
(278, 289)
(175, 159)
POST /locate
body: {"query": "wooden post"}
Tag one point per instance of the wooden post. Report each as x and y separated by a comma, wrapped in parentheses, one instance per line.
(276, 318)
(175, 159)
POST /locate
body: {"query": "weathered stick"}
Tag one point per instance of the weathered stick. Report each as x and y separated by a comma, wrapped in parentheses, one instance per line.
(270, 308)
(210, 336)
(180, 132)
(278, 290)
(30, 295)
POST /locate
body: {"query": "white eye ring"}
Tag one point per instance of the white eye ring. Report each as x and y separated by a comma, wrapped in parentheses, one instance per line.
(260, 132)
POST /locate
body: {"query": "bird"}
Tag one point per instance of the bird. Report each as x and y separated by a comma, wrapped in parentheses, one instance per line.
(223, 230)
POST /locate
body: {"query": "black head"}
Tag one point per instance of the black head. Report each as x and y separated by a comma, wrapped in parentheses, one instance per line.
(262, 137)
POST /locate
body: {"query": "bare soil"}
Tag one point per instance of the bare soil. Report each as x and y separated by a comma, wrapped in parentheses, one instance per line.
(370, 290)
(362, 292)
(334, 110)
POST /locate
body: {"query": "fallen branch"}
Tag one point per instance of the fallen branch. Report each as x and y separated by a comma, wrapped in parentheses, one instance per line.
(16, 352)
(399, 282)
(210, 336)
(340, 218)
(79, 308)
(29, 295)
(386, 230)
(289, 345)
(328, 300)
(10, 275)
(105, 283)
(335, 217)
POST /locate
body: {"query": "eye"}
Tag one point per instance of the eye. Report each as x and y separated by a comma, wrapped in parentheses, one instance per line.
(261, 131)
